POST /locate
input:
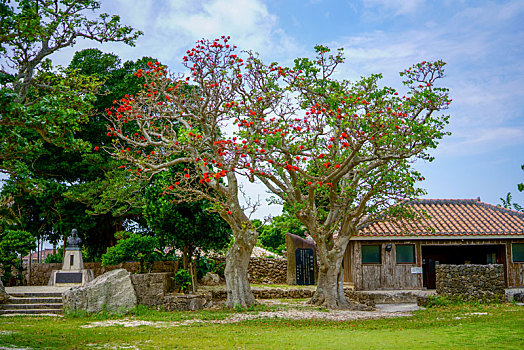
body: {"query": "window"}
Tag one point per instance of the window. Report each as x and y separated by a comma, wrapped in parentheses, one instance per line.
(405, 253)
(371, 254)
(518, 252)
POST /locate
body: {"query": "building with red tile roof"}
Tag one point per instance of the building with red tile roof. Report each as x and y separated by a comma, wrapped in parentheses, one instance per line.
(402, 254)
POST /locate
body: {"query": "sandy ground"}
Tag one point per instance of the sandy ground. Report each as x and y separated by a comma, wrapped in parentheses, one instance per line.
(301, 313)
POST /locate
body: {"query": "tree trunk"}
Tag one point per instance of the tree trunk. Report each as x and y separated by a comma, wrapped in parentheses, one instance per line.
(236, 271)
(29, 262)
(330, 287)
(184, 257)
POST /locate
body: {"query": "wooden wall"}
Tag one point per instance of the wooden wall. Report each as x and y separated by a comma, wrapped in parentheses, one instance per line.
(514, 270)
(387, 275)
(390, 275)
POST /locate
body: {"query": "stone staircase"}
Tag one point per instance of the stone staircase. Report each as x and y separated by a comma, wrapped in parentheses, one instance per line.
(33, 303)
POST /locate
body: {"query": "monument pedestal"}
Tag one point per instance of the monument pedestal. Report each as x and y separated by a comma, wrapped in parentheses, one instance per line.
(73, 272)
(61, 278)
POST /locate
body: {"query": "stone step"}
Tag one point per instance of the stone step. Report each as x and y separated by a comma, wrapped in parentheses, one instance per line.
(31, 312)
(33, 300)
(37, 295)
(30, 306)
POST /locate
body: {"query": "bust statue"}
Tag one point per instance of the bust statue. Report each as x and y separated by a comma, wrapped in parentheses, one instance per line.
(73, 242)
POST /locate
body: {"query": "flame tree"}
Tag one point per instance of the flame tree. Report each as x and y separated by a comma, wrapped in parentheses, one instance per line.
(338, 152)
(180, 119)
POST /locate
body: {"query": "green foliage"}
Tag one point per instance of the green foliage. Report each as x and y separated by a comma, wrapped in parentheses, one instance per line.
(47, 121)
(57, 257)
(14, 244)
(185, 226)
(38, 103)
(507, 203)
(520, 186)
(134, 247)
(204, 265)
(55, 189)
(272, 236)
(183, 279)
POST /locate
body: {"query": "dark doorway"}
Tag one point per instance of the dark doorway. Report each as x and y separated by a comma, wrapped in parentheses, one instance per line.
(458, 255)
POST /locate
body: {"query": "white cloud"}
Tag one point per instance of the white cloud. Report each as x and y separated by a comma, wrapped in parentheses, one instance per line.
(484, 72)
(396, 7)
(478, 140)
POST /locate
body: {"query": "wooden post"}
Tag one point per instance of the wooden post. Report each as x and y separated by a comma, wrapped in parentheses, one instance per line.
(29, 262)
(192, 268)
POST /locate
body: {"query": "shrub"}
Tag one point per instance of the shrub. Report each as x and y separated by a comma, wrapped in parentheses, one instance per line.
(204, 265)
(55, 258)
(133, 247)
(183, 279)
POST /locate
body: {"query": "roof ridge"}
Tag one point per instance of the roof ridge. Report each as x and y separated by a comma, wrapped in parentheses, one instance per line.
(475, 201)
(454, 217)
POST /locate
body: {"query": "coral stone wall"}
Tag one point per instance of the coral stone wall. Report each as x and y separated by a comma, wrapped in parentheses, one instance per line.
(151, 288)
(471, 282)
(261, 270)
(40, 273)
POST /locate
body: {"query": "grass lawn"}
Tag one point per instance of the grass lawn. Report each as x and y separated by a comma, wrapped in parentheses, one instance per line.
(456, 327)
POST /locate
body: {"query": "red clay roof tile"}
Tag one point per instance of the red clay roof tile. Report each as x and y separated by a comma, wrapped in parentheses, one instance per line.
(452, 217)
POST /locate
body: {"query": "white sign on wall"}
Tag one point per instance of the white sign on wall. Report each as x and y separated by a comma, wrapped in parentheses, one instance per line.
(416, 269)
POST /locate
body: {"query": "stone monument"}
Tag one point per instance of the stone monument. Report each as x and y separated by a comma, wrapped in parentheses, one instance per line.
(73, 272)
(301, 260)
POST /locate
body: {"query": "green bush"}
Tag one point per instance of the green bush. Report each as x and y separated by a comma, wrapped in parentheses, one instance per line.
(55, 258)
(132, 247)
(204, 265)
(14, 243)
(183, 279)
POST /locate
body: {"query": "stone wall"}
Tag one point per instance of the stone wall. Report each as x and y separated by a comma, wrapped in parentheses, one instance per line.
(187, 302)
(40, 273)
(471, 282)
(261, 270)
(151, 288)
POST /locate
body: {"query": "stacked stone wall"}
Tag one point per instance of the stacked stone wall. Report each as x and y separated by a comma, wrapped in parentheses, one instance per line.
(40, 273)
(261, 270)
(471, 282)
(151, 288)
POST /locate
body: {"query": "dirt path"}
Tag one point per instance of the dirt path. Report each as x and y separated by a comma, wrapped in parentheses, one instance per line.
(293, 311)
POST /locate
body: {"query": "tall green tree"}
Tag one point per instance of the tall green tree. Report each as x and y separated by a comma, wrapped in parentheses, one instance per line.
(83, 189)
(34, 99)
(43, 110)
(14, 244)
(184, 226)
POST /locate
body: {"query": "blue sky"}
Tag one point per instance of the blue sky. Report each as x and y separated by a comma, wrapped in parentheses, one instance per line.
(482, 42)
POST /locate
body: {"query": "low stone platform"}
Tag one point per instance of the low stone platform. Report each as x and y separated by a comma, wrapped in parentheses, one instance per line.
(370, 298)
(37, 301)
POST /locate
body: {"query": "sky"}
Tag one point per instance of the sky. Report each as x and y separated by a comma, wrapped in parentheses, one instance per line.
(481, 41)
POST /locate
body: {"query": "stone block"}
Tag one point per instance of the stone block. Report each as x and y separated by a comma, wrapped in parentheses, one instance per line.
(151, 288)
(3, 295)
(112, 292)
